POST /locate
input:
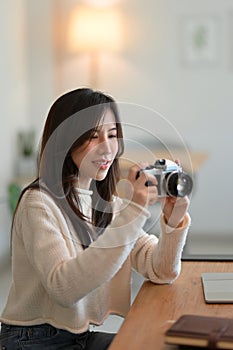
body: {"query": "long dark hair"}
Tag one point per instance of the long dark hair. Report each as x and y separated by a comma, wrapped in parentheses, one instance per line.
(71, 121)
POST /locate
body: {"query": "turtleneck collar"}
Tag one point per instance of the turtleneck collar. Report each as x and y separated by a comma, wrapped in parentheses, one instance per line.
(82, 190)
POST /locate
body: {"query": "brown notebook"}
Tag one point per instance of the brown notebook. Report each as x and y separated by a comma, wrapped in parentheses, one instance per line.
(201, 331)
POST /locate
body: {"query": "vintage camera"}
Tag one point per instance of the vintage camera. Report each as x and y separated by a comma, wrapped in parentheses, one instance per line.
(172, 181)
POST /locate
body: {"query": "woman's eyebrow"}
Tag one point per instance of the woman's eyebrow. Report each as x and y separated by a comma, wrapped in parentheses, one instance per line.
(111, 129)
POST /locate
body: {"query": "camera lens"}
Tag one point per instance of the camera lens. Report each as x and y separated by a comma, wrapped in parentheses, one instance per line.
(178, 184)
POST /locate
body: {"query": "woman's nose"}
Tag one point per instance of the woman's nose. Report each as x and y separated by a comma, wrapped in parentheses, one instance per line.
(104, 147)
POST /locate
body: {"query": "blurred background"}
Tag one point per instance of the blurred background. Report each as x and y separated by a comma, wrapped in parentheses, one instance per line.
(171, 57)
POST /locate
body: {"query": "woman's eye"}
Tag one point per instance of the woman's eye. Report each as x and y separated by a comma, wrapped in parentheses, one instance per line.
(112, 136)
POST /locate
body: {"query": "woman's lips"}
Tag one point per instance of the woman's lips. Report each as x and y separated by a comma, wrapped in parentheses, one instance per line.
(102, 164)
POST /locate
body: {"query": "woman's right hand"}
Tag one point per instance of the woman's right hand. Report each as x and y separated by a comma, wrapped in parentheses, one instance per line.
(138, 192)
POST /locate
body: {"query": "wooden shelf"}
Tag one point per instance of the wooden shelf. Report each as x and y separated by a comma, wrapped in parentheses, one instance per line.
(190, 161)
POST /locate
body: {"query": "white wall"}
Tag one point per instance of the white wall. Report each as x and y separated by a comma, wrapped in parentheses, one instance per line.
(26, 85)
(40, 56)
(14, 100)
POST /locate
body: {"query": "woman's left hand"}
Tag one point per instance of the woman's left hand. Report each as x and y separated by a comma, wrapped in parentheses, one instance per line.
(174, 210)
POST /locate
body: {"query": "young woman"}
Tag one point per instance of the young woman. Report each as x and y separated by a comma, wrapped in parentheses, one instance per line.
(74, 242)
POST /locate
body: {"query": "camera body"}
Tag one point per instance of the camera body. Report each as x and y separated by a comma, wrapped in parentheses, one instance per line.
(172, 181)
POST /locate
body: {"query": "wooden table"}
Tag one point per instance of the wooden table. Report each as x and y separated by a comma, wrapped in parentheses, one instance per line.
(156, 307)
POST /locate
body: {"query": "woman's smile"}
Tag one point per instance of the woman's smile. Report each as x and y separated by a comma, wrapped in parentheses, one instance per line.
(102, 163)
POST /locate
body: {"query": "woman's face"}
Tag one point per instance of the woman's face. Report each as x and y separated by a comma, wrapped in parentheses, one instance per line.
(95, 156)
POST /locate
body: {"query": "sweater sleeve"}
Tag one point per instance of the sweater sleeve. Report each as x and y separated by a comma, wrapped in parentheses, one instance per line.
(159, 260)
(68, 278)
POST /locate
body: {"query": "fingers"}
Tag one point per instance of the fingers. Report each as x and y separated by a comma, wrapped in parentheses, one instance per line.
(174, 210)
(181, 201)
(142, 194)
(152, 194)
(134, 171)
(143, 177)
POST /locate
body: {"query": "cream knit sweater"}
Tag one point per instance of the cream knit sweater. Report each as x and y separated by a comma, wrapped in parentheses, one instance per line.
(55, 281)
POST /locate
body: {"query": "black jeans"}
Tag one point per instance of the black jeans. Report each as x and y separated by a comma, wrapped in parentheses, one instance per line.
(46, 337)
